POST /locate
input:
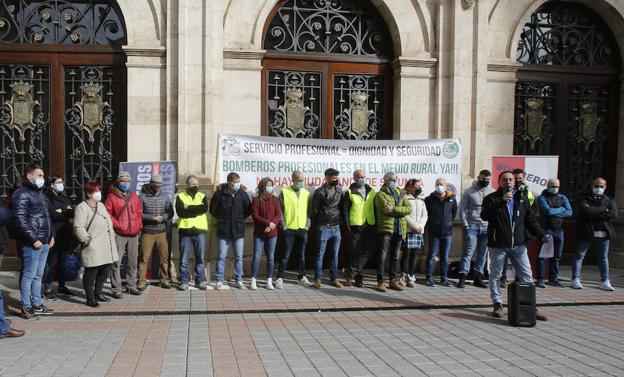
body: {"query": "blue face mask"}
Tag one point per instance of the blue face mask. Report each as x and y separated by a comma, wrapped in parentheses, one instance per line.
(59, 187)
(392, 185)
(440, 189)
(124, 186)
(269, 189)
(361, 182)
(299, 185)
(236, 186)
(553, 190)
(39, 182)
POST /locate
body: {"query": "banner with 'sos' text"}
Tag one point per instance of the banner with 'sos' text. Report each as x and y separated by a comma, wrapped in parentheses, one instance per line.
(256, 157)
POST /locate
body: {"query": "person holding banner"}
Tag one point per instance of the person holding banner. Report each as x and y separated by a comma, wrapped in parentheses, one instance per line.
(358, 210)
(391, 208)
(441, 210)
(230, 206)
(554, 207)
(597, 211)
(295, 203)
(326, 217)
(192, 207)
(124, 208)
(266, 213)
(416, 221)
(157, 209)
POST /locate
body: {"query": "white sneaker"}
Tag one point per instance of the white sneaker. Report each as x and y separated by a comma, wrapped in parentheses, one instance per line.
(304, 281)
(252, 285)
(279, 283)
(606, 286)
(576, 284)
(219, 285)
(412, 278)
(240, 285)
(269, 284)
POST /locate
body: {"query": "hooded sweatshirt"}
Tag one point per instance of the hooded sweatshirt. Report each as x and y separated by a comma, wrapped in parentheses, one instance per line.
(470, 206)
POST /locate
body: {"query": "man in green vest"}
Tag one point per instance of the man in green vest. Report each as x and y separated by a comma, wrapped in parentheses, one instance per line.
(295, 202)
(358, 209)
(192, 207)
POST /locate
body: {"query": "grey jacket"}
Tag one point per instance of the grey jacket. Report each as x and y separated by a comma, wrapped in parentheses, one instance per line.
(155, 205)
(100, 243)
(470, 206)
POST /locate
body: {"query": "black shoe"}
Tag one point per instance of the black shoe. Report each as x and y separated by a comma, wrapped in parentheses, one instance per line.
(93, 304)
(478, 282)
(65, 291)
(461, 283)
(134, 292)
(102, 298)
(498, 310)
(117, 295)
(27, 313)
(42, 310)
(49, 295)
(446, 283)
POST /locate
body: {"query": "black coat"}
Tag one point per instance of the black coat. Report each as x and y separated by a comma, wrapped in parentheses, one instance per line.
(32, 220)
(440, 213)
(60, 220)
(594, 210)
(502, 232)
(325, 207)
(230, 212)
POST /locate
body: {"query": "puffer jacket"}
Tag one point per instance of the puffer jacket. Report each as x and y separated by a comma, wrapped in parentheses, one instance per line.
(61, 220)
(128, 223)
(154, 205)
(32, 219)
(441, 212)
(325, 206)
(230, 211)
(384, 222)
(470, 206)
(418, 217)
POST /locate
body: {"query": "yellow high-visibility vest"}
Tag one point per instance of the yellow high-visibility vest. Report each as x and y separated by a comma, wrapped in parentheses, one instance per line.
(295, 208)
(362, 211)
(199, 222)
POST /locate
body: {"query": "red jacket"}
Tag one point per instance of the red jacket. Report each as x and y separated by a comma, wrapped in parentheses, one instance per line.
(264, 211)
(130, 222)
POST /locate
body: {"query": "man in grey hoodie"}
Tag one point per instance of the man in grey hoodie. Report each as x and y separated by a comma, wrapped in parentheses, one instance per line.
(475, 228)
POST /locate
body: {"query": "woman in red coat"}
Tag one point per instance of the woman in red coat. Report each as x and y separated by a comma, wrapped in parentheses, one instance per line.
(266, 213)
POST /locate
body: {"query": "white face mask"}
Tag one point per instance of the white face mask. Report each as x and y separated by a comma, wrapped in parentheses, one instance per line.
(97, 196)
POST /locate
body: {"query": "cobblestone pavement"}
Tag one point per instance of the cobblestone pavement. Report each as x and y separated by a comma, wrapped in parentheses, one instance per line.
(421, 331)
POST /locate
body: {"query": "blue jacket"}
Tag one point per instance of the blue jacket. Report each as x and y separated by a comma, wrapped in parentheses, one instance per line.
(32, 219)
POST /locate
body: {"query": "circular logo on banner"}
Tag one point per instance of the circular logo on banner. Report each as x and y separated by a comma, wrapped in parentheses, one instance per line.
(450, 149)
(230, 146)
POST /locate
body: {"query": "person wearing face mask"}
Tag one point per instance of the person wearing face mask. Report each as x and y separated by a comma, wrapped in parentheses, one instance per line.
(192, 208)
(391, 208)
(157, 210)
(358, 210)
(441, 210)
(35, 236)
(266, 213)
(326, 217)
(295, 203)
(93, 227)
(553, 207)
(475, 228)
(416, 222)
(596, 214)
(124, 208)
(62, 213)
(230, 206)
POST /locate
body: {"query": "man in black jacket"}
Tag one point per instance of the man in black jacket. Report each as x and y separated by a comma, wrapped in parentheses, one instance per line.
(597, 211)
(230, 206)
(325, 215)
(35, 236)
(508, 214)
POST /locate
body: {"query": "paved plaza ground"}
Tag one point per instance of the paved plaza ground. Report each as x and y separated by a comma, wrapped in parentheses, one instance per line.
(441, 331)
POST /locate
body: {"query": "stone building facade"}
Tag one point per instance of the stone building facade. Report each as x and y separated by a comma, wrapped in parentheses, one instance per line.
(191, 69)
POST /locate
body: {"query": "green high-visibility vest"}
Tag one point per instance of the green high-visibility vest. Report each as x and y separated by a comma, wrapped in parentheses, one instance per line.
(362, 211)
(199, 222)
(295, 208)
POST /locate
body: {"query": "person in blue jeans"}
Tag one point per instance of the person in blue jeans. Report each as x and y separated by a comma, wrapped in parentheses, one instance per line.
(6, 331)
(441, 210)
(475, 229)
(267, 213)
(230, 206)
(553, 207)
(596, 213)
(192, 208)
(35, 236)
(326, 217)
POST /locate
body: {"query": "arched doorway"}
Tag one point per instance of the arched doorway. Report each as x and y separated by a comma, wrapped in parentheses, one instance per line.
(567, 93)
(326, 73)
(62, 90)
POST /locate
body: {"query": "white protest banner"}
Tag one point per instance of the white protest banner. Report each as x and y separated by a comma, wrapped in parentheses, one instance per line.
(256, 157)
(538, 169)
